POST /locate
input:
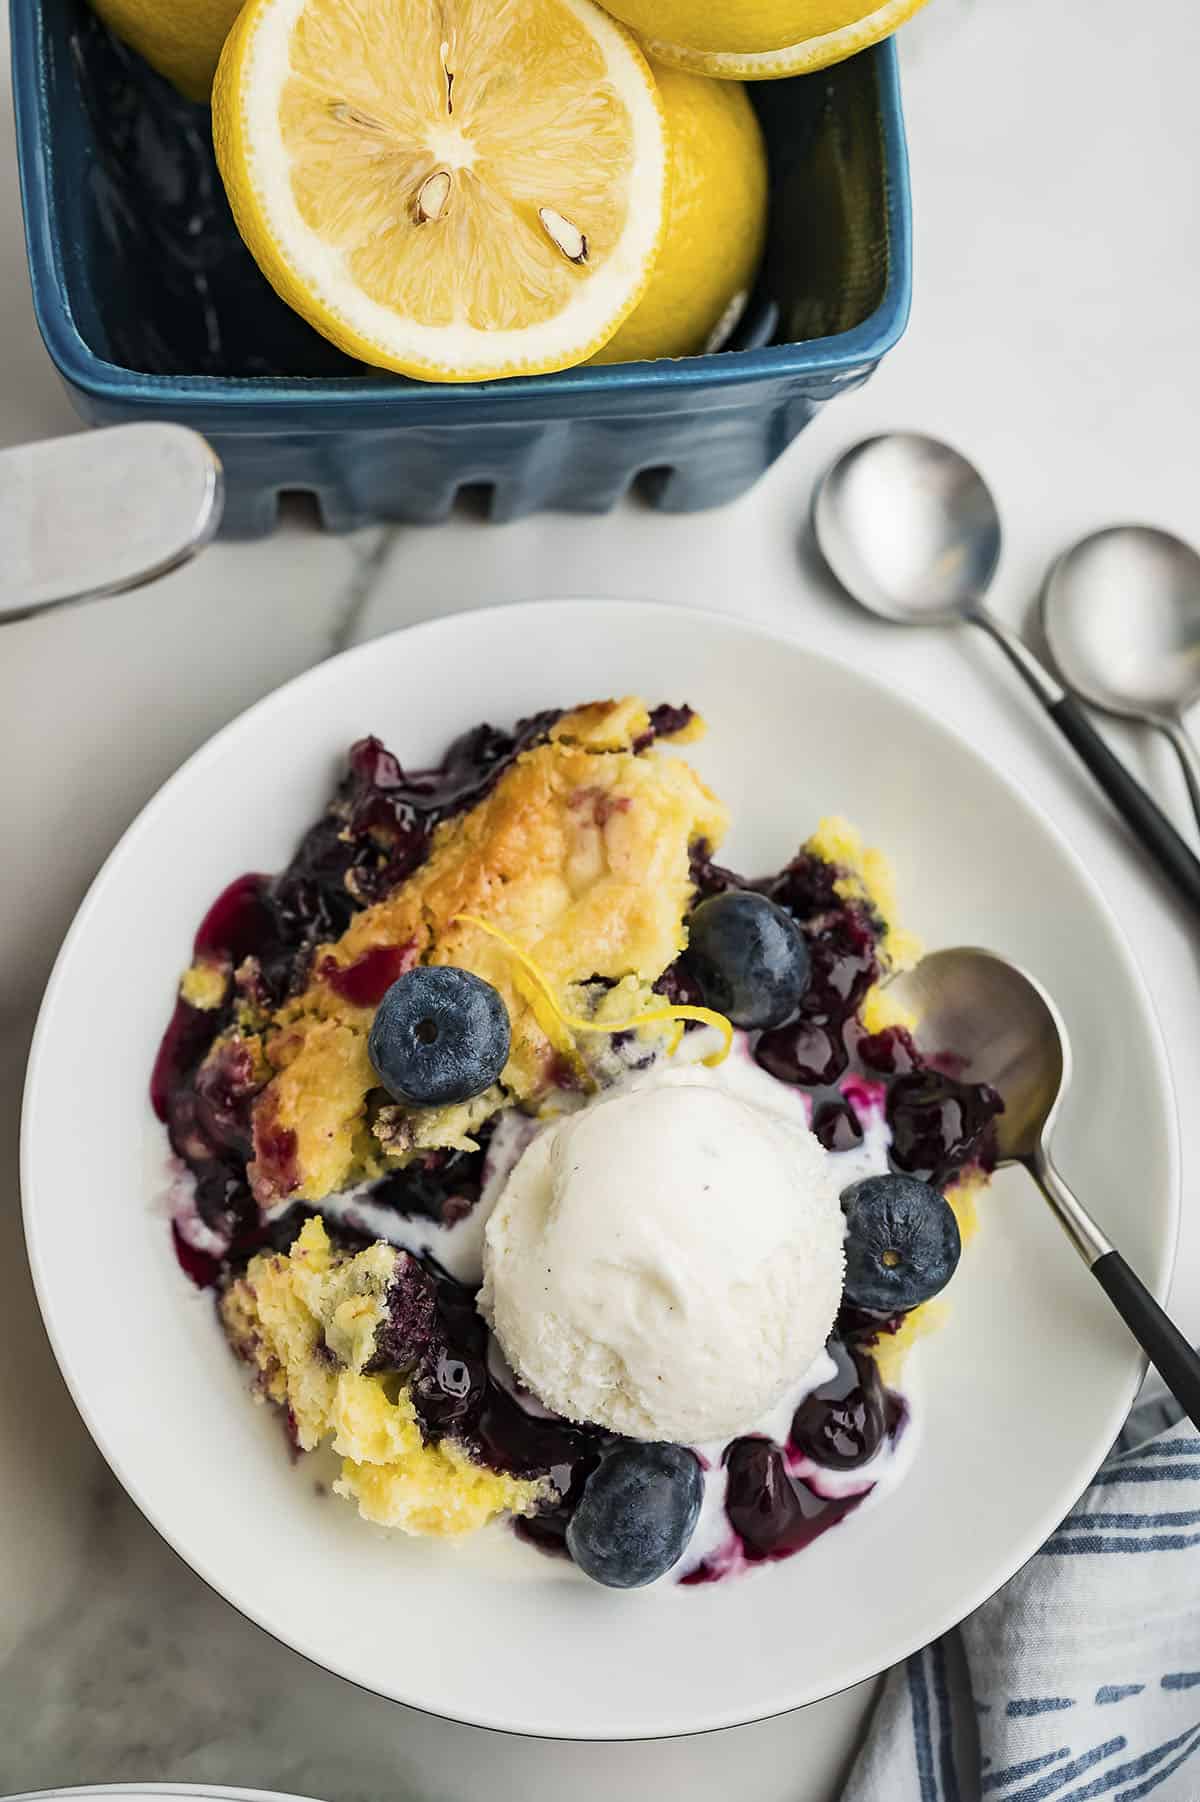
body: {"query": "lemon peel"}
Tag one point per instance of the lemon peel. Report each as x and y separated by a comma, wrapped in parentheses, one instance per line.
(182, 41)
(760, 40)
(677, 1013)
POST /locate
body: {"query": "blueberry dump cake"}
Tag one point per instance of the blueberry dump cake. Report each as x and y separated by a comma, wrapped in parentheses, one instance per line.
(549, 1170)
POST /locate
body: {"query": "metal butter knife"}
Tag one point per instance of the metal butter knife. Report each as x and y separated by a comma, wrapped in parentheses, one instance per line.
(100, 512)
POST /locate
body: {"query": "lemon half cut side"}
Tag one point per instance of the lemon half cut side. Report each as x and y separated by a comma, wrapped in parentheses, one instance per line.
(452, 189)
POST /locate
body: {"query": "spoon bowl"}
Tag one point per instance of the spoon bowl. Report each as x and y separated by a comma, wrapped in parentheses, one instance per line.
(909, 527)
(1121, 611)
(1006, 1029)
(1008, 1033)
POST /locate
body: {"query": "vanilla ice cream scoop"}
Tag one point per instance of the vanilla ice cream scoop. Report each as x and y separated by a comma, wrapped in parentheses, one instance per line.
(667, 1261)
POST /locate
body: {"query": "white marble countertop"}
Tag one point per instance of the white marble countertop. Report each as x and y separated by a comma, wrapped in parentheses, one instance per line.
(1054, 335)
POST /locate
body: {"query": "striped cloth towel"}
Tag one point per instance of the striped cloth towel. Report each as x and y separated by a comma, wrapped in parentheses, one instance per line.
(1081, 1678)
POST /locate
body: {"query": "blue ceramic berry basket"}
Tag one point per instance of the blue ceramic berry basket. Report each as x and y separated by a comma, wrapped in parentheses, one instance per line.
(151, 308)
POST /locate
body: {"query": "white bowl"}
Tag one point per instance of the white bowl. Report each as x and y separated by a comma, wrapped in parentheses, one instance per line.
(1021, 1393)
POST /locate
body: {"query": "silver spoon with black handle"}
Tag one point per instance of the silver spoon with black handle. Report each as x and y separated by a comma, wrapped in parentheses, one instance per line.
(911, 531)
(1009, 1033)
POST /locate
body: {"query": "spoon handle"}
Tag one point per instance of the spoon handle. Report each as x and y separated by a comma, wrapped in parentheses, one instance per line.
(1189, 760)
(1140, 811)
(1174, 1359)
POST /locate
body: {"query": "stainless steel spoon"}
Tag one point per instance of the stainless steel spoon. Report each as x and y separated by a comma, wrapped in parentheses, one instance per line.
(911, 531)
(1010, 1034)
(1121, 611)
(100, 512)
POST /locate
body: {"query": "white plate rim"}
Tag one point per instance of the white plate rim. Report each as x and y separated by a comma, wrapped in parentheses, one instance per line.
(183, 1792)
(1036, 1533)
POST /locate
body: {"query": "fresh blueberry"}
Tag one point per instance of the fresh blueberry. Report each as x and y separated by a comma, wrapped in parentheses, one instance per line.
(638, 1512)
(902, 1243)
(748, 957)
(440, 1035)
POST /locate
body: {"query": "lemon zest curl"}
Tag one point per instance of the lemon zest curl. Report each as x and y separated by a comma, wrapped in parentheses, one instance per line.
(552, 1018)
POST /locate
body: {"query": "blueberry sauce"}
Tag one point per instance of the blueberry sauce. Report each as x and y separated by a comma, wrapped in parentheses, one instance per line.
(444, 1186)
(890, 1052)
(188, 1036)
(665, 722)
(409, 1335)
(836, 1125)
(809, 1053)
(844, 967)
(365, 982)
(773, 1514)
(679, 986)
(398, 812)
(712, 878)
(842, 1426)
(807, 887)
(859, 1329)
(201, 1266)
(938, 1123)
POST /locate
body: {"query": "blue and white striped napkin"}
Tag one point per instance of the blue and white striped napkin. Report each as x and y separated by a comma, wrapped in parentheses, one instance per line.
(1081, 1678)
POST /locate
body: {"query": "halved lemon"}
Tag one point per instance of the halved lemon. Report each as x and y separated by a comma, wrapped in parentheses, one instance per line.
(454, 189)
(760, 40)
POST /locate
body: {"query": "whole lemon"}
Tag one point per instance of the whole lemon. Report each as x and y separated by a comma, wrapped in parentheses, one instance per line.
(182, 39)
(760, 40)
(716, 221)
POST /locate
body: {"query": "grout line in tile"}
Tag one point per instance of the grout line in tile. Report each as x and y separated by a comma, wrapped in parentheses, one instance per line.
(369, 567)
